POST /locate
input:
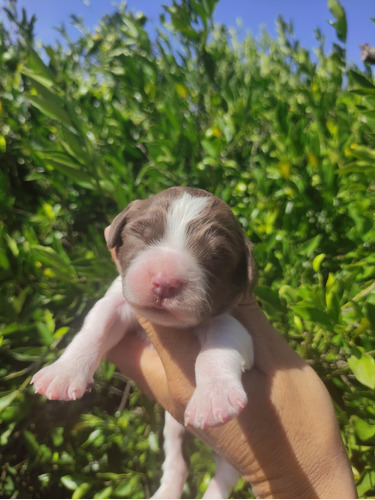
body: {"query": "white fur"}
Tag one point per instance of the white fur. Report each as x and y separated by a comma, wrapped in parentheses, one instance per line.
(227, 350)
(224, 480)
(69, 377)
(183, 211)
(175, 470)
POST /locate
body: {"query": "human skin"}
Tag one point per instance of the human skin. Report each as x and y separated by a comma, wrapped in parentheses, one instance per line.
(286, 442)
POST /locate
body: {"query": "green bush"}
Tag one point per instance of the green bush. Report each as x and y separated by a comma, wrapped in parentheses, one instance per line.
(284, 136)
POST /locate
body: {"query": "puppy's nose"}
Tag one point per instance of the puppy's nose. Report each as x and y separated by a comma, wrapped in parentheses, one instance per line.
(165, 287)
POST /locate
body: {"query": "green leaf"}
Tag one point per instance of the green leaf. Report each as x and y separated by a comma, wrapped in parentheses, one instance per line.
(340, 25)
(363, 368)
(367, 484)
(69, 482)
(36, 69)
(12, 245)
(4, 261)
(45, 334)
(313, 314)
(49, 257)
(4, 436)
(317, 262)
(5, 401)
(50, 104)
(363, 91)
(370, 113)
(270, 296)
(105, 493)
(3, 144)
(31, 441)
(310, 246)
(60, 332)
(205, 9)
(75, 145)
(370, 314)
(14, 328)
(72, 170)
(362, 152)
(361, 79)
(364, 430)
(81, 491)
(127, 487)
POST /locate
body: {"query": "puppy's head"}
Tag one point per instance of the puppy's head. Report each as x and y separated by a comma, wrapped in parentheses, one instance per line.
(182, 256)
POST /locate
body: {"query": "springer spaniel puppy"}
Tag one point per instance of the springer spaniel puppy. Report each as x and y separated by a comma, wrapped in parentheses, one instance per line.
(184, 261)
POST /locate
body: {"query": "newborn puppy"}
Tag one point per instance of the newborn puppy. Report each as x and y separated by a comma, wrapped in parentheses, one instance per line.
(184, 261)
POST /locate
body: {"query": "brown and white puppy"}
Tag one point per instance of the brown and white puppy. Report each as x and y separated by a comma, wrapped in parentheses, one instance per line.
(184, 261)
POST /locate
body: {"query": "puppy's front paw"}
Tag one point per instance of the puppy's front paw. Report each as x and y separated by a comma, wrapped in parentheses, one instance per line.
(215, 404)
(62, 381)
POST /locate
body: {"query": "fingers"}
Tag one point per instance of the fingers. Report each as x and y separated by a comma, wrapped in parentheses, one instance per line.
(178, 350)
(139, 361)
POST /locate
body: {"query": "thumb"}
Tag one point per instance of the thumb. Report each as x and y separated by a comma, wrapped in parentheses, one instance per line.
(178, 350)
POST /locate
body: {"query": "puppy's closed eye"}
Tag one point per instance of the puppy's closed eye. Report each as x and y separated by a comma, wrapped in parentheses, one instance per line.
(149, 228)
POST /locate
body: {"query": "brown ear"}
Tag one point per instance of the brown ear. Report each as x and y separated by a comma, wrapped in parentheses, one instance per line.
(114, 231)
(252, 272)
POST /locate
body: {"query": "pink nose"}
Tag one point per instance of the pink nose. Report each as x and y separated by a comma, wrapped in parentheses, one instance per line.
(165, 287)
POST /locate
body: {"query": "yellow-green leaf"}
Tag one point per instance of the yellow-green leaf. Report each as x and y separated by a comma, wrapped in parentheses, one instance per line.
(363, 368)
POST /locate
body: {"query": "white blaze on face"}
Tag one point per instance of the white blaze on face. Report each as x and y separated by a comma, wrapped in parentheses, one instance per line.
(169, 261)
(183, 211)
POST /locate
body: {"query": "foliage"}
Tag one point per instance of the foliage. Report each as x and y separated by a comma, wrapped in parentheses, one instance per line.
(284, 136)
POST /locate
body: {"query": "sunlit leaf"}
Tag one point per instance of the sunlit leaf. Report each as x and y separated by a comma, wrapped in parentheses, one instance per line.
(81, 491)
(364, 429)
(51, 107)
(363, 368)
(340, 24)
(317, 262)
(313, 314)
(35, 68)
(5, 401)
(367, 483)
(69, 482)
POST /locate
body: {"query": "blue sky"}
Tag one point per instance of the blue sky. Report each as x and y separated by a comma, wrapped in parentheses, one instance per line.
(306, 15)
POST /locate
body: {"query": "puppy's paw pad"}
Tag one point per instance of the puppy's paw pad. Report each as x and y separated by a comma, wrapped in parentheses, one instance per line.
(59, 382)
(214, 406)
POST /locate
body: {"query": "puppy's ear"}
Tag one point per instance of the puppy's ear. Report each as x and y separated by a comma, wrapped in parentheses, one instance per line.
(252, 272)
(114, 231)
(113, 236)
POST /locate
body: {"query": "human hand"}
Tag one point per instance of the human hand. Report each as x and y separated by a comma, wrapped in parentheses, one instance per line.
(285, 442)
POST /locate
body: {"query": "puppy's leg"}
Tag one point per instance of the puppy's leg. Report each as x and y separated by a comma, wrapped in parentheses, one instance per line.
(175, 470)
(227, 350)
(224, 480)
(106, 323)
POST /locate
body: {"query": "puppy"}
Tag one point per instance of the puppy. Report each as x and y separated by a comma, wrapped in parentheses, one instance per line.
(184, 261)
